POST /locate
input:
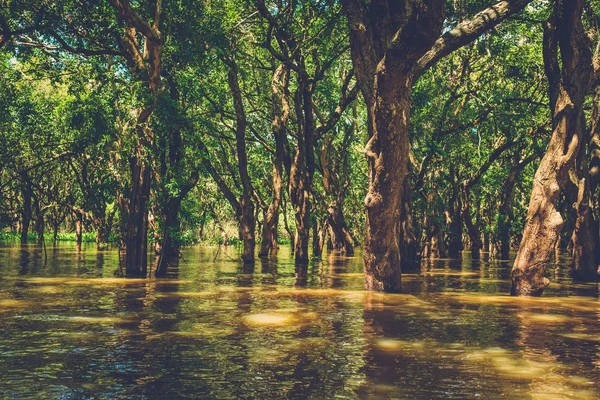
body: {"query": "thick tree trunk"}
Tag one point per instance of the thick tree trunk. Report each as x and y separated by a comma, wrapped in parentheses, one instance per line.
(387, 151)
(392, 44)
(544, 221)
(269, 244)
(339, 234)
(136, 235)
(147, 67)
(584, 238)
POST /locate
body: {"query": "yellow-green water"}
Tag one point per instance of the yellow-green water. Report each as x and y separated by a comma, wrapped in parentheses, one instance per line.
(71, 329)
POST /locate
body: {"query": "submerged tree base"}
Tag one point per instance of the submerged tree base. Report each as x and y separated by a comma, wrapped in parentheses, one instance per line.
(528, 283)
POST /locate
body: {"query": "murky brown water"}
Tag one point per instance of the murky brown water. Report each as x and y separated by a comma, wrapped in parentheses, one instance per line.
(70, 329)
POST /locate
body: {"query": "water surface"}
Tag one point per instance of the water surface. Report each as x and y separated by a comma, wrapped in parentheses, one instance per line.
(69, 328)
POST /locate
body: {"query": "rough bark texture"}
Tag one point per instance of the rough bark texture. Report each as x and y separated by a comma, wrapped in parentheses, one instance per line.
(392, 43)
(544, 221)
(386, 42)
(585, 239)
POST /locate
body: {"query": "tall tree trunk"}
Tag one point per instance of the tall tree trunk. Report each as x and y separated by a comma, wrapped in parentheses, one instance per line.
(136, 235)
(585, 239)
(392, 43)
(279, 93)
(544, 221)
(247, 222)
(146, 66)
(387, 152)
(302, 170)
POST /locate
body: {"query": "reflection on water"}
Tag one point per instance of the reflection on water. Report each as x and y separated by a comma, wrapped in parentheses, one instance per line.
(213, 329)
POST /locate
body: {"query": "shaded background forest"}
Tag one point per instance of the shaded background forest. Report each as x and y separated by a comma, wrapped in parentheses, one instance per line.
(238, 121)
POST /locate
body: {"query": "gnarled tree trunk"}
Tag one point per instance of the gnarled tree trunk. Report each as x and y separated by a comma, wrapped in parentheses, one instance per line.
(392, 43)
(544, 221)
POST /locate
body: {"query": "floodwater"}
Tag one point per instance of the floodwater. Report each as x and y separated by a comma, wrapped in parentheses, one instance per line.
(71, 329)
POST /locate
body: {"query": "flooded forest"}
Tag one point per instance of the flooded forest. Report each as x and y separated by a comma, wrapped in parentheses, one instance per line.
(267, 199)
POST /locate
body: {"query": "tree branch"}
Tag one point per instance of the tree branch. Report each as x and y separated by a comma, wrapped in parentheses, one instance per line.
(467, 31)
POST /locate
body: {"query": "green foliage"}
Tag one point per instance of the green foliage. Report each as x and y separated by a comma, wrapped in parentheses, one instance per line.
(71, 100)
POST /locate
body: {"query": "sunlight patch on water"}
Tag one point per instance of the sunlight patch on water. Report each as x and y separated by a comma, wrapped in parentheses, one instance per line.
(279, 318)
(549, 318)
(49, 289)
(100, 320)
(86, 281)
(262, 319)
(450, 273)
(590, 337)
(395, 345)
(14, 303)
(188, 294)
